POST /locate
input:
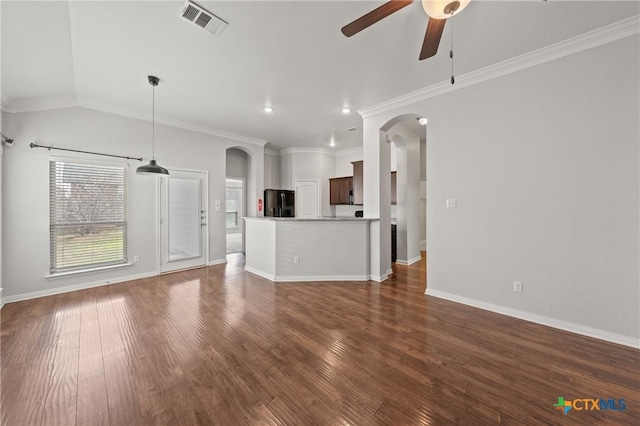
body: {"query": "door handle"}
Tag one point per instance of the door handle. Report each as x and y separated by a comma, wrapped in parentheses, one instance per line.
(203, 224)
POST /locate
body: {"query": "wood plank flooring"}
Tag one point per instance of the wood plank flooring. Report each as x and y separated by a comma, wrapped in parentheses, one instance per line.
(221, 346)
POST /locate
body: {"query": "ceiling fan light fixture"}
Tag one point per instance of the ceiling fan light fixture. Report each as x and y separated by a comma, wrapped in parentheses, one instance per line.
(443, 9)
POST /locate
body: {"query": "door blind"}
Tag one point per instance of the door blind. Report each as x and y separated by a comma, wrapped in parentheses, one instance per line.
(88, 215)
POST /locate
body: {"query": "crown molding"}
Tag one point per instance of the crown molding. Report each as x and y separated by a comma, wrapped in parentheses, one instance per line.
(591, 39)
(4, 102)
(268, 151)
(168, 121)
(44, 104)
(306, 151)
(355, 150)
(294, 150)
(40, 104)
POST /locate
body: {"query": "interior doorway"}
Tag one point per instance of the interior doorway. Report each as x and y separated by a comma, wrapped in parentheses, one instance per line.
(404, 139)
(183, 220)
(234, 212)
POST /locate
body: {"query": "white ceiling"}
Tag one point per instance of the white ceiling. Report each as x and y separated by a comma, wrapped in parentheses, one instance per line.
(290, 54)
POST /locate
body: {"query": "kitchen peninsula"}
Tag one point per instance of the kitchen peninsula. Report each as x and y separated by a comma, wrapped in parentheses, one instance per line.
(296, 249)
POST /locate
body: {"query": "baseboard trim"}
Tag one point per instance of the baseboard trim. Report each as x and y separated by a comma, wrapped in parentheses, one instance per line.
(409, 262)
(75, 287)
(216, 262)
(539, 319)
(381, 278)
(307, 278)
(259, 273)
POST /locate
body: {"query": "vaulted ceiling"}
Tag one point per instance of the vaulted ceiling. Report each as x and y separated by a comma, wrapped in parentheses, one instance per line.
(288, 54)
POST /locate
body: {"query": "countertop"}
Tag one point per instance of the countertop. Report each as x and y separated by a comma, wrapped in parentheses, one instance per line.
(316, 219)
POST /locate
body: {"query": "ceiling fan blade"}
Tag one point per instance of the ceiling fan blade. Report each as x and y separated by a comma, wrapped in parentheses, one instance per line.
(374, 16)
(435, 27)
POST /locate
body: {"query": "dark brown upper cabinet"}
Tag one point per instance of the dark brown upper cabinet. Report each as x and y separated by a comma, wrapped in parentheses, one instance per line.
(340, 190)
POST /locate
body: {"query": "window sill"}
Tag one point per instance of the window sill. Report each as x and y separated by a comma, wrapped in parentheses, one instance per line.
(86, 271)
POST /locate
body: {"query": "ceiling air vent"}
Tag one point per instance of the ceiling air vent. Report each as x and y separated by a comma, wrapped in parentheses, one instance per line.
(202, 18)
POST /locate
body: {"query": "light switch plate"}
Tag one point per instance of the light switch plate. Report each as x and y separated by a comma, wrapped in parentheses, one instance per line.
(217, 202)
(452, 203)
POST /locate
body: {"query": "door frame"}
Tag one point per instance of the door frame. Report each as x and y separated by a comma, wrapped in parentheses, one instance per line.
(319, 186)
(205, 202)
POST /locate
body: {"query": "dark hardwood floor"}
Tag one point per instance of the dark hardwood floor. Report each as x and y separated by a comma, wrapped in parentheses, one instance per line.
(221, 346)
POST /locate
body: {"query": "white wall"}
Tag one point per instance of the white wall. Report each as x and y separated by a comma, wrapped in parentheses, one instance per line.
(286, 171)
(544, 164)
(271, 170)
(343, 162)
(1, 172)
(423, 195)
(26, 187)
(237, 163)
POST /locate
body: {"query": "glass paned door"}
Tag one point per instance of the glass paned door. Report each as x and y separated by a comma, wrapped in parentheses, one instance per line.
(183, 220)
(183, 197)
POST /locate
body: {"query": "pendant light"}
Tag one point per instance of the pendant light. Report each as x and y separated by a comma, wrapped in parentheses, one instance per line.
(153, 168)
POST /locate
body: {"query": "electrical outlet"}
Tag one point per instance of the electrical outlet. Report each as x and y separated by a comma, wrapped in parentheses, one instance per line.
(136, 259)
(296, 259)
(452, 203)
(517, 286)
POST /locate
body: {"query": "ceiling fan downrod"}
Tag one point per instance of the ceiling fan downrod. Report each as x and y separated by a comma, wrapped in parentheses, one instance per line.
(453, 80)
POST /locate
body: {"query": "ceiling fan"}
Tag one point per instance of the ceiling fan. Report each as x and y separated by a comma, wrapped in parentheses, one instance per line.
(438, 11)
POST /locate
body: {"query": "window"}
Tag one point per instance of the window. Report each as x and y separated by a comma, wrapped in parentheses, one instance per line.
(232, 209)
(88, 215)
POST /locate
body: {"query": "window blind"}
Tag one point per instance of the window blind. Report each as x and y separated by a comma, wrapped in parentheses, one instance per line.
(88, 215)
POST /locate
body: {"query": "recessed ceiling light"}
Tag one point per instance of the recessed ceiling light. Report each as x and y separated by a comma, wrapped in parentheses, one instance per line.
(332, 143)
(267, 108)
(346, 110)
(423, 121)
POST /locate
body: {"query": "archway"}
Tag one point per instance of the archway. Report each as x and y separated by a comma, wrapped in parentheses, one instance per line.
(401, 138)
(238, 184)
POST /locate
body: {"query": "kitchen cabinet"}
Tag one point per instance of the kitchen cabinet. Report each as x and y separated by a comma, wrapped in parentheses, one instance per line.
(340, 190)
(358, 182)
(393, 188)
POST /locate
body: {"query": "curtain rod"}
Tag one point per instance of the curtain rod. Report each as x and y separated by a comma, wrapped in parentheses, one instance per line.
(33, 145)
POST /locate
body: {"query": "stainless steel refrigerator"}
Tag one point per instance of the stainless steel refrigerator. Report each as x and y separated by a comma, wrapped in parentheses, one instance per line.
(279, 203)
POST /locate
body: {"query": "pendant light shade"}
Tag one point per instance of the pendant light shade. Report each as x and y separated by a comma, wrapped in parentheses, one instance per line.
(153, 168)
